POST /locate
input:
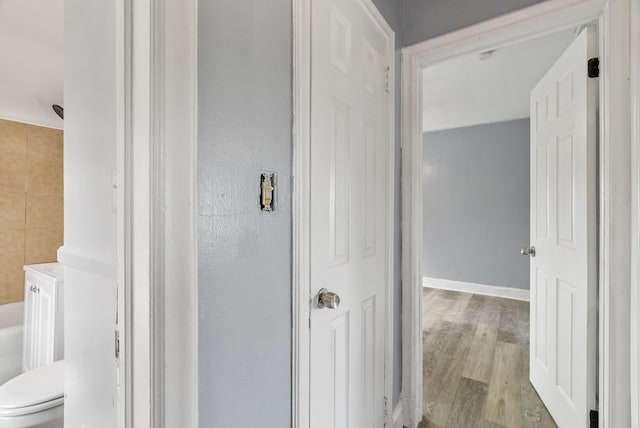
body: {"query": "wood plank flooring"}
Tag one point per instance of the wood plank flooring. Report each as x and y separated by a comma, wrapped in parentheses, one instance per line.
(476, 363)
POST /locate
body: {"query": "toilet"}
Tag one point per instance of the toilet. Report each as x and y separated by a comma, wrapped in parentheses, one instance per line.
(34, 399)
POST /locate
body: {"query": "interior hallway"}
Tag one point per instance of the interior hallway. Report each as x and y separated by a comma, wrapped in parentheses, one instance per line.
(476, 363)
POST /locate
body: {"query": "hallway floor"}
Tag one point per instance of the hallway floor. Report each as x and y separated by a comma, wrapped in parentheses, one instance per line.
(476, 363)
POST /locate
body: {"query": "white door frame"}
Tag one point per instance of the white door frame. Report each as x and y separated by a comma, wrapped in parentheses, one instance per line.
(635, 216)
(156, 75)
(301, 293)
(615, 182)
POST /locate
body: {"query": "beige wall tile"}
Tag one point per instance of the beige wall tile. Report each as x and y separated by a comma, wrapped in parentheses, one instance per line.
(12, 247)
(44, 176)
(13, 173)
(44, 211)
(12, 211)
(44, 143)
(41, 245)
(13, 138)
(31, 201)
(11, 284)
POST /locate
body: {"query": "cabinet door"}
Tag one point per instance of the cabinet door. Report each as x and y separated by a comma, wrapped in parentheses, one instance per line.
(29, 344)
(46, 295)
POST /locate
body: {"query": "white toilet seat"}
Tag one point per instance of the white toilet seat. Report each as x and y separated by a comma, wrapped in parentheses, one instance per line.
(34, 398)
(21, 411)
(50, 418)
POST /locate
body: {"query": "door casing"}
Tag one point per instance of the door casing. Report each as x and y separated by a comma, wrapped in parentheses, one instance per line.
(301, 293)
(615, 184)
(156, 110)
(635, 214)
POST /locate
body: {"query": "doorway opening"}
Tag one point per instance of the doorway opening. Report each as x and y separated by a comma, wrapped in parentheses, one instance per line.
(477, 152)
(612, 348)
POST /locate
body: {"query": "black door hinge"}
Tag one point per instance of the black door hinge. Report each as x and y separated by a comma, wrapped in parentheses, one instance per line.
(593, 417)
(593, 67)
(117, 344)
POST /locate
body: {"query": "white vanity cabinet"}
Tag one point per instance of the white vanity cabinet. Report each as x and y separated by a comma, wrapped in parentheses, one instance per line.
(43, 315)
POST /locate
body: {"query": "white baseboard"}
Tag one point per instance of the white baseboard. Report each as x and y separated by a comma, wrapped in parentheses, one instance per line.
(397, 419)
(470, 287)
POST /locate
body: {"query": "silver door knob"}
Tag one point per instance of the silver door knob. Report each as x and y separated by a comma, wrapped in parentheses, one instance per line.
(528, 251)
(327, 299)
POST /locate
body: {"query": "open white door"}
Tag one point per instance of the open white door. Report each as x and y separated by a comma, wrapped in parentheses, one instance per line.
(349, 199)
(563, 233)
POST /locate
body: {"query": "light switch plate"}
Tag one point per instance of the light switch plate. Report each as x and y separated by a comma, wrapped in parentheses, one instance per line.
(268, 191)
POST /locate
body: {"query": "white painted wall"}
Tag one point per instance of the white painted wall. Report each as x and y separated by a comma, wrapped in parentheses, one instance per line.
(31, 48)
(466, 90)
(89, 252)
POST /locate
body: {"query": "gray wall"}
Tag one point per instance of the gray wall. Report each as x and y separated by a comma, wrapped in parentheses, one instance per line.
(244, 66)
(392, 12)
(424, 19)
(476, 204)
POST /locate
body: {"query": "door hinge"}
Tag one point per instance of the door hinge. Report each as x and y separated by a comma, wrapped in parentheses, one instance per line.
(593, 418)
(117, 344)
(593, 67)
(387, 79)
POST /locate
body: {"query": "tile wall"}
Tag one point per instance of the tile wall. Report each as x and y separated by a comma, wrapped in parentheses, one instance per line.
(31, 202)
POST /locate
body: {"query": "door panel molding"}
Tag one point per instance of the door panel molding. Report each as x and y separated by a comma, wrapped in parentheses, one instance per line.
(301, 293)
(614, 177)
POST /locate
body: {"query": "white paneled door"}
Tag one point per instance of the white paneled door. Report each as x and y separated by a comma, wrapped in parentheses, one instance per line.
(563, 232)
(349, 196)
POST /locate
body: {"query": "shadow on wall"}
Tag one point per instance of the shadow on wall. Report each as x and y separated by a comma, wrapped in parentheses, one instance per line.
(425, 19)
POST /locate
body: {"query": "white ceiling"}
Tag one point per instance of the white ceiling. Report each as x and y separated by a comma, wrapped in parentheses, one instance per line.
(32, 56)
(468, 91)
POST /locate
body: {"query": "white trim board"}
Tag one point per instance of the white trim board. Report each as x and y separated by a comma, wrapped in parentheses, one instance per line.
(615, 182)
(474, 288)
(156, 109)
(635, 198)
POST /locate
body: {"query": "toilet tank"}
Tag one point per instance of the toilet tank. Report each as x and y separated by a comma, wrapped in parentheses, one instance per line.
(43, 340)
